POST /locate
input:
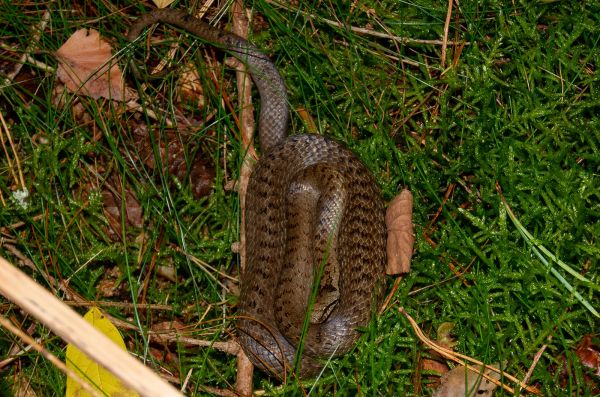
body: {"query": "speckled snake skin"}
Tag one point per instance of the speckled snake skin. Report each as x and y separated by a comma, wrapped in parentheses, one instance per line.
(314, 216)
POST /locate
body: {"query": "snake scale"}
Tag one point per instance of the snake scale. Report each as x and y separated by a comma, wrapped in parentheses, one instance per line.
(314, 217)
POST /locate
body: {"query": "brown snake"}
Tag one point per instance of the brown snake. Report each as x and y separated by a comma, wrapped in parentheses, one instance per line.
(313, 212)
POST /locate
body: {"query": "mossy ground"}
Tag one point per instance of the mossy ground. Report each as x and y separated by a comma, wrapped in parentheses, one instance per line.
(516, 105)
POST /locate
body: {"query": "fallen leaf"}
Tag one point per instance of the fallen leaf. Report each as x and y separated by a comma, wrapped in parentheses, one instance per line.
(98, 377)
(168, 326)
(109, 285)
(86, 66)
(168, 272)
(113, 202)
(21, 386)
(589, 354)
(165, 358)
(430, 365)
(436, 363)
(461, 382)
(401, 237)
(444, 335)
(189, 87)
(162, 3)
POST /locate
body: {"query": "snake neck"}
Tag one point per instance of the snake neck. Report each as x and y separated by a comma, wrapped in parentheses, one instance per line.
(274, 113)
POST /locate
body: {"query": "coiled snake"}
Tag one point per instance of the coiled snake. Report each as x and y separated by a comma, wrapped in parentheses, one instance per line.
(314, 216)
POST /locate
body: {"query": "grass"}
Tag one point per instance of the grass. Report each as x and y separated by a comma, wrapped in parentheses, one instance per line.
(518, 106)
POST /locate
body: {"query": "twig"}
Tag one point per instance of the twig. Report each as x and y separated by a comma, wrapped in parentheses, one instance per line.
(122, 305)
(446, 28)
(241, 23)
(67, 324)
(245, 368)
(536, 359)
(24, 260)
(135, 106)
(461, 359)
(229, 347)
(12, 357)
(20, 180)
(365, 31)
(220, 392)
(37, 32)
(16, 225)
(388, 299)
(49, 356)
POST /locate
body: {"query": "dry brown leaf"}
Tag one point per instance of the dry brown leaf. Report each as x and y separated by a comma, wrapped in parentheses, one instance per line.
(428, 365)
(166, 358)
(436, 362)
(112, 195)
(86, 66)
(168, 326)
(189, 88)
(162, 3)
(458, 383)
(22, 386)
(169, 272)
(401, 237)
(589, 354)
(109, 285)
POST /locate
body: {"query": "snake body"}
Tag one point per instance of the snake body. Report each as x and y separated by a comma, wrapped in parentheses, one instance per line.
(315, 232)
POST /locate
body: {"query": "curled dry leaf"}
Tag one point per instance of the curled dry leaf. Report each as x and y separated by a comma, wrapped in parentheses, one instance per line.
(401, 238)
(86, 66)
(437, 363)
(444, 335)
(461, 382)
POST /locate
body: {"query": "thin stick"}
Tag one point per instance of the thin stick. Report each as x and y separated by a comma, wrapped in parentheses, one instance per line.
(535, 361)
(4, 322)
(368, 32)
(446, 28)
(37, 32)
(388, 299)
(20, 180)
(123, 305)
(62, 320)
(241, 24)
(461, 358)
(12, 357)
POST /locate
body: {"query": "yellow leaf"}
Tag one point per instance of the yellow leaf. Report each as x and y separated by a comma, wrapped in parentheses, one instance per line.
(96, 375)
